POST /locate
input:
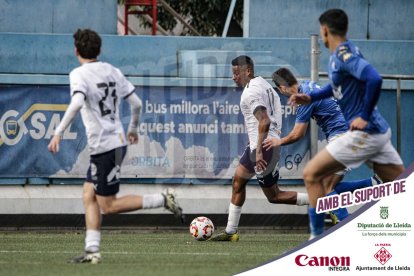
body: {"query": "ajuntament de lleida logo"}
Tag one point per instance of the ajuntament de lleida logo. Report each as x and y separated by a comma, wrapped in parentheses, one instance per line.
(384, 212)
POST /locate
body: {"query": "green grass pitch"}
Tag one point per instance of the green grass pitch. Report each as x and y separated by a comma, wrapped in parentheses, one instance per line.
(140, 253)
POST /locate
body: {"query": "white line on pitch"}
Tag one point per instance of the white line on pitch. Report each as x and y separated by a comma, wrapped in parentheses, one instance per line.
(137, 253)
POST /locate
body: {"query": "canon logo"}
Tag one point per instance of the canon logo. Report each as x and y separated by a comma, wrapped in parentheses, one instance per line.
(304, 260)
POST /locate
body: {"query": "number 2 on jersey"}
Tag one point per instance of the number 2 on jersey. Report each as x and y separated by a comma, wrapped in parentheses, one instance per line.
(108, 105)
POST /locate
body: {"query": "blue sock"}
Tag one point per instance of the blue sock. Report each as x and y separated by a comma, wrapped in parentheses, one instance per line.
(340, 213)
(350, 186)
(316, 222)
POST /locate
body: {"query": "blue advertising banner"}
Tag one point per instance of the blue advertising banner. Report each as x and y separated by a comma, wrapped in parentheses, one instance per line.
(185, 132)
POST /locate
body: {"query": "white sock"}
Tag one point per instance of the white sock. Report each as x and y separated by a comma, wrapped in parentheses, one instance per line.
(234, 218)
(302, 199)
(92, 240)
(152, 201)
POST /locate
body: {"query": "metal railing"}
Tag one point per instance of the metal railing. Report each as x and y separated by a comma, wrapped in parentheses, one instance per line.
(314, 74)
(398, 78)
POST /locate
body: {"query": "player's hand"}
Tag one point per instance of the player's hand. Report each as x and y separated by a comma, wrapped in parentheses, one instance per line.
(297, 99)
(54, 144)
(261, 164)
(132, 138)
(270, 143)
(358, 124)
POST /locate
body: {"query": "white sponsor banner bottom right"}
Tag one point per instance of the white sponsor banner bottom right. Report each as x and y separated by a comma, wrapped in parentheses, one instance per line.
(378, 241)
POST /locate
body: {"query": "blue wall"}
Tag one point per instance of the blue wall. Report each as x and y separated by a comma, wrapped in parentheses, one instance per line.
(160, 56)
(47, 59)
(373, 19)
(58, 16)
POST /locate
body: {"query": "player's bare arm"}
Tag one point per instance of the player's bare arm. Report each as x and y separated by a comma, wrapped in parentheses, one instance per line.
(298, 131)
(264, 123)
(271, 142)
(298, 99)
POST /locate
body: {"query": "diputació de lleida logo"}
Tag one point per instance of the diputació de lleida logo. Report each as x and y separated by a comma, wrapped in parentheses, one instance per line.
(384, 212)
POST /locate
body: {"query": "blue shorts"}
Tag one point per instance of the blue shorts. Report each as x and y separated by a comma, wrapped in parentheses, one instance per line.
(270, 176)
(104, 171)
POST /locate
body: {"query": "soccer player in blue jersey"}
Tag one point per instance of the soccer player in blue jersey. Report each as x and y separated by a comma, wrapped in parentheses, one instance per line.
(329, 118)
(356, 85)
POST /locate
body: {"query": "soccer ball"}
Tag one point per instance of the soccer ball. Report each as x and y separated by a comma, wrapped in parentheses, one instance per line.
(201, 228)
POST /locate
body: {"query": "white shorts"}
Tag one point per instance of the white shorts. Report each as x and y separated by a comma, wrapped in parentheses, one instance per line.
(330, 140)
(356, 147)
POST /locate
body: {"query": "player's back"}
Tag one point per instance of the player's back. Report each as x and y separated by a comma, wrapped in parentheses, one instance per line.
(326, 112)
(258, 92)
(346, 66)
(103, 86)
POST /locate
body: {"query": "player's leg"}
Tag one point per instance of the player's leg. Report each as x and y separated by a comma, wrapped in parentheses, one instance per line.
(330, 182)
(106, 175)
(93, 219)
(350, 186)
(240, 179)
(111, 204)
(357, 147)
(276, 196)
(109, 166)
(268, 181)
(334, 184)
(322, 165)
(388, 172)
(349, 150)
(244, 171)
(238, 196)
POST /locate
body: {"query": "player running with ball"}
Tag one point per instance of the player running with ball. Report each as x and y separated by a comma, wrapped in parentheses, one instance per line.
(261, 110)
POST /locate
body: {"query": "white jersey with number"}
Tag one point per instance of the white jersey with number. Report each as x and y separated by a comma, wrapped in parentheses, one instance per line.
(258, 92)
(103, 86)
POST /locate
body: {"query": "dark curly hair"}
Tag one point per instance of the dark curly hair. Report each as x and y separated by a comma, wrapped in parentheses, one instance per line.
(88, 43)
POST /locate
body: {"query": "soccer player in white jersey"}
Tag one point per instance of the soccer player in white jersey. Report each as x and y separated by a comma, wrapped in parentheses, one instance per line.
(96, 89)
(357, 86)
(261, 108)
